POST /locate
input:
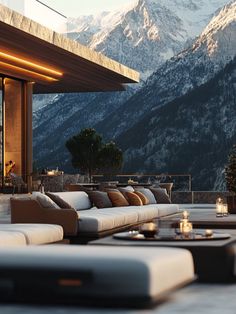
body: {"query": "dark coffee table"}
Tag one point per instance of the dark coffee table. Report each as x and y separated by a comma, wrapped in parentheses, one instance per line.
(213, 260)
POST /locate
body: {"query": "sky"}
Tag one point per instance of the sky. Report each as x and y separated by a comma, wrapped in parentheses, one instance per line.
(75, 8)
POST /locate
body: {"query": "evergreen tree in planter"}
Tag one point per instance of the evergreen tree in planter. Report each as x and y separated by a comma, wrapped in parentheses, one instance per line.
(230, 176)
(90, 155)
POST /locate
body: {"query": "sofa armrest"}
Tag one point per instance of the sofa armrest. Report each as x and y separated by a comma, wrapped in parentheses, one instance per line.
(30, 211)
(67, 218)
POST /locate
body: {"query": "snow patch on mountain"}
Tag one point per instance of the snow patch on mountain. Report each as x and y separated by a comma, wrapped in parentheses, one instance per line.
(151, 31)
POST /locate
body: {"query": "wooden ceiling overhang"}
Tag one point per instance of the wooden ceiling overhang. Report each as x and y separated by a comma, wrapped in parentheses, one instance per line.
(53, 62)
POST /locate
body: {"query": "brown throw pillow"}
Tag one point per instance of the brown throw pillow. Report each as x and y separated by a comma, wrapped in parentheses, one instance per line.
(59, 201)
(144, 199)
(161, 195)
(134, 199)
(100, 199)
(117, 199)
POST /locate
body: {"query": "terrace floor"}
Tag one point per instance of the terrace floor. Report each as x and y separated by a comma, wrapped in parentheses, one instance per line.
(194, 299)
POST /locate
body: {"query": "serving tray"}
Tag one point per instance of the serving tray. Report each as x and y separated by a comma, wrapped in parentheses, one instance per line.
(195, 236)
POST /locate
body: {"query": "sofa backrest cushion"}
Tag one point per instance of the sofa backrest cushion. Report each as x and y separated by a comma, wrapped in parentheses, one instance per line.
(149, 195)
(58, 200)
(144, 199)
(78, 200)
(100, 199)
(44, 200)
(117, 199)
(133, 199)
(161, 196)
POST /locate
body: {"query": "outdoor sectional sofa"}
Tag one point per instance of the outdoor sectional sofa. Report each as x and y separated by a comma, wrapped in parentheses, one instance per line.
(82, 221)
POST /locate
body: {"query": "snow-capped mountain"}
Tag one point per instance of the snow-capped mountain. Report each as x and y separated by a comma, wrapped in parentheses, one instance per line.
(215, 47)
(120, 111)
(192, 133)
(151, 31)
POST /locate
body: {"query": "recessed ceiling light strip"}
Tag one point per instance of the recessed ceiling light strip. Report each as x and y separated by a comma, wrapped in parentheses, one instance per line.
(28, 73)
(9, 57)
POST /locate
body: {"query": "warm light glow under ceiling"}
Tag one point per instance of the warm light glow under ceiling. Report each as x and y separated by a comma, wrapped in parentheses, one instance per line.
(28, 73)
(30, 64)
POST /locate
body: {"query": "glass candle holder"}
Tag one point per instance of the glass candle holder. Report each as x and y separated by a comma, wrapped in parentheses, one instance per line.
(219, 207)
(225, 210)
(185, 214)
(149, 230)
(187, 229)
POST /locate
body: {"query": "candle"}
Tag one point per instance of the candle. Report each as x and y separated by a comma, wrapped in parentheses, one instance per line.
(219, 210)
(149, 229)
(185, 214)
(208, 233)
(219, 207)
(187, 228)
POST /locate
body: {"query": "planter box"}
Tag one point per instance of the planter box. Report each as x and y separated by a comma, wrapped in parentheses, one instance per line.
(231, 201)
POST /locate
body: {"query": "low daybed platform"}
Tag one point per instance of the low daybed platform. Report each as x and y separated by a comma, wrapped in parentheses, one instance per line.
(93, 275)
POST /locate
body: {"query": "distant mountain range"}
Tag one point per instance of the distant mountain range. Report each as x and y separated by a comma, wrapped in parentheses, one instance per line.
(163, 27)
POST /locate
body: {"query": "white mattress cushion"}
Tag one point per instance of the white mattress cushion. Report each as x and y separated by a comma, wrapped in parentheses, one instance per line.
(97, 220)
(36, 233)
(147, 212)
(11, 238)
(116, 271)
(167, 209)
(78, 200)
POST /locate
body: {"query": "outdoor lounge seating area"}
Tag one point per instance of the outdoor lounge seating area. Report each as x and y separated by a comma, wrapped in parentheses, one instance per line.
(147, 272)
(136, 218)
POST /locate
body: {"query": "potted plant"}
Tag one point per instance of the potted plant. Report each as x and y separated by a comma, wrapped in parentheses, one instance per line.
(230, 176)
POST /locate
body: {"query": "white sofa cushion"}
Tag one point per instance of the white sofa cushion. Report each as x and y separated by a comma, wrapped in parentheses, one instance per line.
(167, 209)
(97, 220)
(11, 238)
(118, 273)
(147, 212)
(78, 200)
(36, 233)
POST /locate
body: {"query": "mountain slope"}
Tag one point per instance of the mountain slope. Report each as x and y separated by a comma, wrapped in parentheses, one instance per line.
(192, 134)
(212, 51)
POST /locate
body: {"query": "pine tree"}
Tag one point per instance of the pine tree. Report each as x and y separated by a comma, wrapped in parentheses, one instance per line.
(230, 171)
(90, 155)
